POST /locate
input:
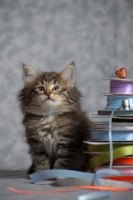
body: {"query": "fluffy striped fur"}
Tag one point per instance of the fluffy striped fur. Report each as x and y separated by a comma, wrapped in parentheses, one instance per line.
(54, 122)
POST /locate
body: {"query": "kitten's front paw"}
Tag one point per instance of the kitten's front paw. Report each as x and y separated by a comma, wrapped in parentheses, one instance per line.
(35, 167)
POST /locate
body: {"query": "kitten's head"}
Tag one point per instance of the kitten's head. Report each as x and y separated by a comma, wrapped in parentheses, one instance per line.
(49, 92)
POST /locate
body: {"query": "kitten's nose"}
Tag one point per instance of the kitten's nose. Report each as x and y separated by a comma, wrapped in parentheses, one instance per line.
(48, 93)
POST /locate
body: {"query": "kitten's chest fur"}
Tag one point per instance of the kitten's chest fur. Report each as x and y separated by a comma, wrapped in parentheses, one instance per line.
(42, 132)
(48, 133)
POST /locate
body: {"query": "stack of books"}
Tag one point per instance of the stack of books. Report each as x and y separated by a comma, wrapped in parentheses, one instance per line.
(121, 128)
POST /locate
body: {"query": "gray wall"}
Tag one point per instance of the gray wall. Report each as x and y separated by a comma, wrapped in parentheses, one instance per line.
(48, 35)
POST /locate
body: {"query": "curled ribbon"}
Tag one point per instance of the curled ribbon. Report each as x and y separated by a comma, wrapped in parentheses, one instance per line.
(105, 157)
(106, 188)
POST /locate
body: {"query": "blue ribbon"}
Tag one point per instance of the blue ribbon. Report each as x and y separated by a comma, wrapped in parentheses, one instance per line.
(117, 135)
(56, 173)
(110, 139)
(96, 195)
(115, 101)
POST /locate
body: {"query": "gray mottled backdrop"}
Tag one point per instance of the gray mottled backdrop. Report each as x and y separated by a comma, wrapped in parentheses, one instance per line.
(48, 35)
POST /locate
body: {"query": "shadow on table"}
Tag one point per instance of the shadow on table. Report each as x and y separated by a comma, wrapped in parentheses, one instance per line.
(13, 174)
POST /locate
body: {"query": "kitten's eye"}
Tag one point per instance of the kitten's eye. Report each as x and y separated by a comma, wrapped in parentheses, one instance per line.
(41, 88)
(55, 88)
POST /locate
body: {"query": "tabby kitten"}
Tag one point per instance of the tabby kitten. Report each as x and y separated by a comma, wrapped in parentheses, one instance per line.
(55, 124)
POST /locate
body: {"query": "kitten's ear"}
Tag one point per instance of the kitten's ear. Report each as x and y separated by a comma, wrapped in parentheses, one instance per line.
(29, 74)
(68, 75)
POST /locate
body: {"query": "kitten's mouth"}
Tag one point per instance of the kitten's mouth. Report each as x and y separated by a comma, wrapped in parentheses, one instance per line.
(49, 99)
